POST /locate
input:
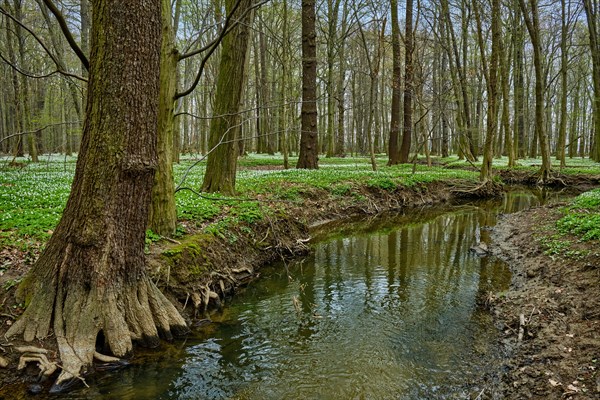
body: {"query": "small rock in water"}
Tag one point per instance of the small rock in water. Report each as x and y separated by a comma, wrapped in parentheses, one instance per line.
(480, 249)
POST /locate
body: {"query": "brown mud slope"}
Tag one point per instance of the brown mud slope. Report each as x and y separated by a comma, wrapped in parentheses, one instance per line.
(551, 315)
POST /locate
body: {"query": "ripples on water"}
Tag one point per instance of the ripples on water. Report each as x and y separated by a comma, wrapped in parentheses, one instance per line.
(380, 310)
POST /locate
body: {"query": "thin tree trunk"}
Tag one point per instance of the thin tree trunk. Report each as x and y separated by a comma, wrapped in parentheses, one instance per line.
(308, 157)
(408, 84)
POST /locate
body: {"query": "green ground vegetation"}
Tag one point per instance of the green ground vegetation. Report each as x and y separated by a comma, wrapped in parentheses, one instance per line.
(32, 198)
(579, 223)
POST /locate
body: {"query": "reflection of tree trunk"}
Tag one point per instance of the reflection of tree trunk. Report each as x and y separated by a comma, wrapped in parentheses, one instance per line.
(392, 253)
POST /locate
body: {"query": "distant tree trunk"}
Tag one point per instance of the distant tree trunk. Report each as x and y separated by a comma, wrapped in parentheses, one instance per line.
(341, 87)
(592, 11)
(518, 83)
(509, 138)
(91, 281)
(562, 130)
(491, 77)
(221, 164)
(333, 8)
(393, 150)
(408, 84)
(308, 157)
(459, 83)
(533, 26)
(284, 88)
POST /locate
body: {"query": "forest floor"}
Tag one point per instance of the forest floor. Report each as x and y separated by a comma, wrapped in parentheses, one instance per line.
(550, 317)
(225, 243)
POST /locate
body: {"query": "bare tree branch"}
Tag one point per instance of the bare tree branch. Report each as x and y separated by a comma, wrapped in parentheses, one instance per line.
(42, 44)
(38, 129)
(212, 46)
(68, 35)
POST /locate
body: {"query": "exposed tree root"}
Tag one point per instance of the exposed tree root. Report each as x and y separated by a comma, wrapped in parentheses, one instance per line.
(121, 314)
(485, 189)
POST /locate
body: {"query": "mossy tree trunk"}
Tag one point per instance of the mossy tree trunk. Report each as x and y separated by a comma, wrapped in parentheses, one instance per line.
(91, 278)
(163, 214)
(221, 164)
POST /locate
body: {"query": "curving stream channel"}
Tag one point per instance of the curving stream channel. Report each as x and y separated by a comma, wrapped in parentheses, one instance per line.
(386, 308)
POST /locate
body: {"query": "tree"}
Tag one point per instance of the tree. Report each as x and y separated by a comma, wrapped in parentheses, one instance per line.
(308, 157)
(491, 77)
(91, 281)
(408, 84)
(592, 14)
(393, 152)
(163, 214)
(221, 165)
(532, 21)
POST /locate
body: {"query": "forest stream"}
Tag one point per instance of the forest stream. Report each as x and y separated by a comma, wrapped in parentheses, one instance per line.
(385, 308)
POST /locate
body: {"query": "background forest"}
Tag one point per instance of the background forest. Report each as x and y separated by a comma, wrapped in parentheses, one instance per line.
(429, 81)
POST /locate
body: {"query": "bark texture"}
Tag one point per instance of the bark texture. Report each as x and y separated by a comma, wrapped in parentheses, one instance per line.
(92, 278)
(221, 165)
(308, 157)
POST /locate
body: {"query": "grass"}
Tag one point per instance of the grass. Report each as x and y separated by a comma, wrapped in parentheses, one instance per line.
(582, 217)
(32, 198)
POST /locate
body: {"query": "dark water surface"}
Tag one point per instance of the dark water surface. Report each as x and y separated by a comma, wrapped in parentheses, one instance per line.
(383, 309)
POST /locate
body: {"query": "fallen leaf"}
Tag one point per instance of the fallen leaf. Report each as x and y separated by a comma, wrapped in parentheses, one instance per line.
(554, 383)
(573, 388)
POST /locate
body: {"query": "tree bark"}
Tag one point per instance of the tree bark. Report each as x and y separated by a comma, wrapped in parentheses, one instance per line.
(533, 26)
(163, 213)
(308, 157)
(221, 165)
(408, 84)
(592, 12)
(393, 150)
(91, 279)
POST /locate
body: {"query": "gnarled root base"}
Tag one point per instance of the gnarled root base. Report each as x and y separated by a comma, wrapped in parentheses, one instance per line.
(121, 313)
(485, 189)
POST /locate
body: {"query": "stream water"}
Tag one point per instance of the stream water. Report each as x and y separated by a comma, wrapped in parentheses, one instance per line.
(386, 308)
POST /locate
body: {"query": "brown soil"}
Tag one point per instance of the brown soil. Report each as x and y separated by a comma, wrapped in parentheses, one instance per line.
(550, 317)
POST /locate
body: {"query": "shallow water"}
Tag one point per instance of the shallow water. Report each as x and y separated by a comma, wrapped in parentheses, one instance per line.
(382, 309)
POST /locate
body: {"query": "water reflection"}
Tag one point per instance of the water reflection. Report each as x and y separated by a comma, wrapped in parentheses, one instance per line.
(385, 309)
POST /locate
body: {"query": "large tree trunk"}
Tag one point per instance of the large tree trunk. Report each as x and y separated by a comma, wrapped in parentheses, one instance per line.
(91, 280)
(308, 157)
(221, 165)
